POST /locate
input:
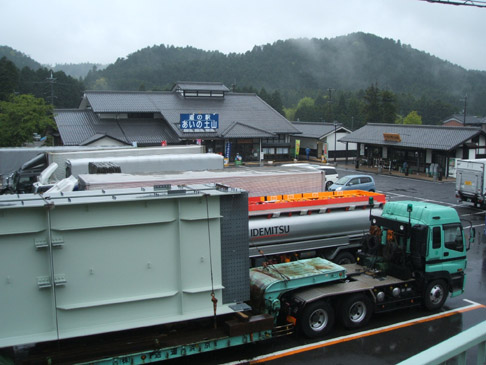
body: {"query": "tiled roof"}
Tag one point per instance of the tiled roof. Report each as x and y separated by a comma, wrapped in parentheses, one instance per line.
(147, 131)
(240, 116)
(316, 130)
(122, 102)
(240, 130)
(74, 125)
(413, 136)
(200, 86)
(247, 109)
(78, 127)
(470, 119)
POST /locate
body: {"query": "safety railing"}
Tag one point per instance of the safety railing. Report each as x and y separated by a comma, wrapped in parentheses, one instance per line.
(455, 349)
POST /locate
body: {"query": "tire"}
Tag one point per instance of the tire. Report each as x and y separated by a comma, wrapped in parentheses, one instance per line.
(356, 310)
(371, 244)
(435, 294)
(328, 184)
(316, 319)
(343, 258)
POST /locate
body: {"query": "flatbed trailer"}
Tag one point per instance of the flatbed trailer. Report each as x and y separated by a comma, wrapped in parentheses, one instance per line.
(171, 278)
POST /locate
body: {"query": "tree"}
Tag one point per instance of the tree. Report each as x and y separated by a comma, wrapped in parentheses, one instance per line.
(276, 102)
(9, 78)
(371, 110)
(21, 117)
(412, 118)
(388, 106)
(306, 110)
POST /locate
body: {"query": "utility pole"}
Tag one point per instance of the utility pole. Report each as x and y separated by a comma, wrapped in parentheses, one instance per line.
(330, 103)
(465, 110)
(51, 81)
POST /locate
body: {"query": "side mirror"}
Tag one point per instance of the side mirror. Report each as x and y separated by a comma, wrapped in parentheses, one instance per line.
(472, 237)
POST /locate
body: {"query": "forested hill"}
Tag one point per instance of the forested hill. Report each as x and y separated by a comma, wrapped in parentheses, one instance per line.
(19, 59)
(301, 67)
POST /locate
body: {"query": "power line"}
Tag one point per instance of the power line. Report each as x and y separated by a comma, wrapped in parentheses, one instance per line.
(476, 3)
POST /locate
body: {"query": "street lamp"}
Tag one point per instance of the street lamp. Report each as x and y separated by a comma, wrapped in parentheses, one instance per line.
(335, 146)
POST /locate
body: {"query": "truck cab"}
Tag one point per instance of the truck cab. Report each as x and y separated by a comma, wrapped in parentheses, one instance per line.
(22, 180)
(425, 241)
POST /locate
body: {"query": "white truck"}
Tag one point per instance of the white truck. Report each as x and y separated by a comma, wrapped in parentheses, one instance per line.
(22, 179)
(470, 182)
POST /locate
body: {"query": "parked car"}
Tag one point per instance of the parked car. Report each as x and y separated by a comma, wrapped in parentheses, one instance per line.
(330, 171)
(354, 182)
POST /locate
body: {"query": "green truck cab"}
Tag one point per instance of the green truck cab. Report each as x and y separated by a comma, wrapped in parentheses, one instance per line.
(425, 241)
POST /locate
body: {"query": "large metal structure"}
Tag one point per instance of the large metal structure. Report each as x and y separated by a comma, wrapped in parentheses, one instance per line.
(259, 181)
(142, 275)
(150, 164)
(84, 263)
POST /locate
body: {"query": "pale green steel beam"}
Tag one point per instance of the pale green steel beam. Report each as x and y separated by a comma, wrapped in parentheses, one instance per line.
(454, 347)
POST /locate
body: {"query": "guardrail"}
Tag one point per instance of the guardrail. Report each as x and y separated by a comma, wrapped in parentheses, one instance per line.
(454, 348)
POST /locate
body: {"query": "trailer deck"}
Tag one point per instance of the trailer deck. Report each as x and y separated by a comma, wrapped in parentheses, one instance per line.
(358, 279)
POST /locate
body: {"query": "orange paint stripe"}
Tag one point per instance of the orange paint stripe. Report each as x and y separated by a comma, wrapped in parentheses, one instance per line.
(362, 335)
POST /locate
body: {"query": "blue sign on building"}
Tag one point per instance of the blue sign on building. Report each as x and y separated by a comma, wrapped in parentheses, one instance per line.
(227, 150)
(199, 122)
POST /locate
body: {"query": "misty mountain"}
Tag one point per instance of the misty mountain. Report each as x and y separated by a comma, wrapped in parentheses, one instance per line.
(78, 70)
(295, 68)
(19, 59)
(301, 67)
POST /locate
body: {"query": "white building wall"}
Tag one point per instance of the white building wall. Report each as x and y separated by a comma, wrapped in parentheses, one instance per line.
(106, 142)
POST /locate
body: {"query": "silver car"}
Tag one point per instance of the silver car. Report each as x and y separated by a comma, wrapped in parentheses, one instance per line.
(354, 182)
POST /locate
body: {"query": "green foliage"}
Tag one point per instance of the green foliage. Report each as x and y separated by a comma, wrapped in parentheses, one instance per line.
(289, 113)
(21, 117)
(388, 106)
(372, 107)
(54, 87)
(20, 74)
(8, 78)
(412, 118)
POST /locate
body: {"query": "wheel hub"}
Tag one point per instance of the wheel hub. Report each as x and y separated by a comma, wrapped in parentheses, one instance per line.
(318, 320)
(436, 294)
(357, 312)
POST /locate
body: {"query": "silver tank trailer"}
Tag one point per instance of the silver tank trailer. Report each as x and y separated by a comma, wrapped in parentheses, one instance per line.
(307, 232)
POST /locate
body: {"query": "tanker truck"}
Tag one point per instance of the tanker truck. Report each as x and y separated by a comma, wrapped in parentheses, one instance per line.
(83, 282)
(296, 226)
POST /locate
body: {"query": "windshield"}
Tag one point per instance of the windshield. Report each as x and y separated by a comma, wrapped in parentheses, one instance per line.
(342, 181)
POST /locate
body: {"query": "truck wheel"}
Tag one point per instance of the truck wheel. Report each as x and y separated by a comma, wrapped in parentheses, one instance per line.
(356, 310)
(316, 319)
(435, 294)
(344, 258)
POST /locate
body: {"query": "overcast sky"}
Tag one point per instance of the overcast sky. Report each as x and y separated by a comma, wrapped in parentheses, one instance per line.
(100, 31)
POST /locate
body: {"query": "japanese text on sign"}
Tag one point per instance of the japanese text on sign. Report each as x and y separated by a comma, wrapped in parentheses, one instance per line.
(199, 122)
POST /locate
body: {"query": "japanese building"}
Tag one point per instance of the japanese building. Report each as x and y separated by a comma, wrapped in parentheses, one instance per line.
(323, 140)
(422, 146)
(224, 122)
